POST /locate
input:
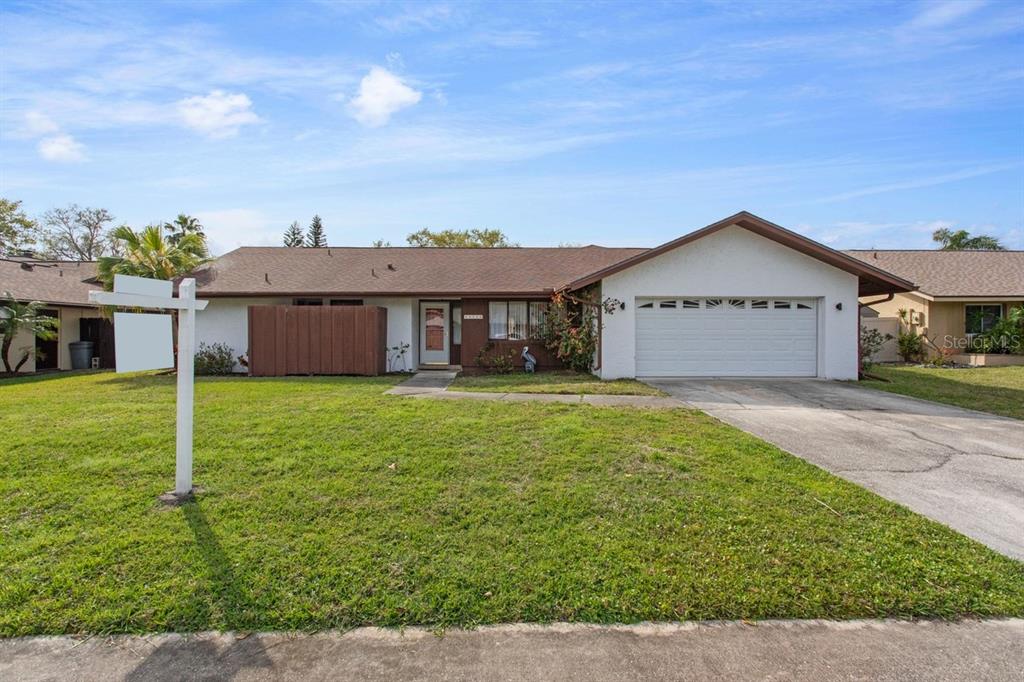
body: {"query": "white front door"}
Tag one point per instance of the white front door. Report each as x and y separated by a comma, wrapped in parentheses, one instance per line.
(434, 341)
(722, 336)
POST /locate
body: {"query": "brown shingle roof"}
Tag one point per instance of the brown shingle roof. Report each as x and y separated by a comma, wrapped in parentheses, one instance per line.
(954, 273)
(261, 271)
(48, 281)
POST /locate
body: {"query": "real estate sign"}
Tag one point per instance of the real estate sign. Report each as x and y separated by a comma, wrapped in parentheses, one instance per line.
(143, 341)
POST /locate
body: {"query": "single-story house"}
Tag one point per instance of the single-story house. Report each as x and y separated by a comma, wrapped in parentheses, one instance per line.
(739, 297)
(960, 294)
(64, 287)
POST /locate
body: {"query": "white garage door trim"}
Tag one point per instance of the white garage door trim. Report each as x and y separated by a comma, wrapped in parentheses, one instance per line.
(726, 336)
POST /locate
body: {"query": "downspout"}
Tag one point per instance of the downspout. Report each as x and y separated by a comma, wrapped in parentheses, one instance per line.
(860, 367)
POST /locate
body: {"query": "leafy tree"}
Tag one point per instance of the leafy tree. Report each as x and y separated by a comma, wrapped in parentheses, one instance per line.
(181, 226)
(961, 240)
(459, 238)
(16, 229)
(380, 244)
(316, 237)
(293, 235)
(148, 254)
(16, 316)
(75, 233)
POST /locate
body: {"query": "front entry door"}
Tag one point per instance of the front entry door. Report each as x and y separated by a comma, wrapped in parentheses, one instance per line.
(434, 341)
(48, 350)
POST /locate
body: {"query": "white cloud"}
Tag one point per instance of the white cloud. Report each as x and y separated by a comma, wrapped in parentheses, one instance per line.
(425, 17)
(228, 229)
(937, 15)
(218, 114)
(38, 124)
(62, 148)
(381, 94)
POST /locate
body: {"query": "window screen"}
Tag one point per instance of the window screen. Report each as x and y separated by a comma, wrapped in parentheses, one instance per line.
(518, 320)
(497, 314)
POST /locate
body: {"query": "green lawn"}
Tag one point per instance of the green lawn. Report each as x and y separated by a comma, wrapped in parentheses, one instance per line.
(999, 390)
(564, 382)
(328, 504)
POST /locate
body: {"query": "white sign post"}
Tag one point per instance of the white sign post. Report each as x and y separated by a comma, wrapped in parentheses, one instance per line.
(143, 341)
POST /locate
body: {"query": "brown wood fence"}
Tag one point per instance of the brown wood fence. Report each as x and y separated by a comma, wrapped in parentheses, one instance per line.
(285, 339)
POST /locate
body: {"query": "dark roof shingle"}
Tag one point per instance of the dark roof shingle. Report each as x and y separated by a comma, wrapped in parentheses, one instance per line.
(49, 281)
(399, 271)
(953, 273)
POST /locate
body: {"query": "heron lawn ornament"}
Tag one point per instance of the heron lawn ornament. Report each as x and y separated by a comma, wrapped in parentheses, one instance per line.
(529, 362)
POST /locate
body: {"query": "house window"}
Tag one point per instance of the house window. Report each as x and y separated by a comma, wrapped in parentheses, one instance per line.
(737, 303)
(518, 320)
(712, 303)
(647, 305)
(457, 325)
(515, 320)
(981, 318)
(346, 301)
(782, 305)
(759, 304)
(667, 304)
(308, 301)
(691, 304)
(538, 310)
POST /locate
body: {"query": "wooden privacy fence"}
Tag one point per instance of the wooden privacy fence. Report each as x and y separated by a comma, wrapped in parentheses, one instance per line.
(286, 339)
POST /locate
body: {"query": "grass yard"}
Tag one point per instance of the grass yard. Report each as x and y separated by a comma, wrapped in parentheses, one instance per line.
(564, 382)
(999, 390)
(328, 504)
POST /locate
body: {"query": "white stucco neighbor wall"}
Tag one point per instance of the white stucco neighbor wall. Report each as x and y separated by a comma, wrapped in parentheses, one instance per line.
(403, 314)
(68, 331)
(226, 320)
(735, 262)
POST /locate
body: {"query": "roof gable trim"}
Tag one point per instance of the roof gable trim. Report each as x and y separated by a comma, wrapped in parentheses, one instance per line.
(876, 279)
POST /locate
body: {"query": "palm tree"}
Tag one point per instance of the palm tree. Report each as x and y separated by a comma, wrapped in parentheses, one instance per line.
(16, 316)
(961, 240)
(148, 254)
(181, 226)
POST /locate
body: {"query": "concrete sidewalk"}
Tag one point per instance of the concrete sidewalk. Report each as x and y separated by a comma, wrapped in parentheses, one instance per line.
(792, 650)
(433, 384)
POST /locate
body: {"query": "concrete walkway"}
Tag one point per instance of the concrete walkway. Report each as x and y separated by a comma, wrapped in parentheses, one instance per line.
(434, 384)
(426, 381)
(959, 467)
(791, 650)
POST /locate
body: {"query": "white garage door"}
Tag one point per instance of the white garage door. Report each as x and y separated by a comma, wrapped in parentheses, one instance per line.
(743, 337)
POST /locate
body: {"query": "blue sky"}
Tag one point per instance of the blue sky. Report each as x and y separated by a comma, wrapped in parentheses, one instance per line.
(860, 124)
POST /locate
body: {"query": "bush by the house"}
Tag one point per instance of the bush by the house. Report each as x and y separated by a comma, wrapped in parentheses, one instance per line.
(871, 341)
(492, 359)
(214, 359)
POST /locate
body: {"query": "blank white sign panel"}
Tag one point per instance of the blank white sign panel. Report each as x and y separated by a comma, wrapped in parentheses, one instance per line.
(142, 342)
(126, 284)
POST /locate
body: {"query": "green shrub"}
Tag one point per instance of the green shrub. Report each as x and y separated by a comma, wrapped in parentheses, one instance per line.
(871, 341)
(490, 359)
(213, 359)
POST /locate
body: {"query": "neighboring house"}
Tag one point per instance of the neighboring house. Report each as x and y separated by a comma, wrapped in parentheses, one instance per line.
(960, 293)
(64, 287)
(740, 297)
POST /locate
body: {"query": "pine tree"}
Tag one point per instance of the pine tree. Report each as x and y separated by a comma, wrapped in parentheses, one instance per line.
(293, 235)
(316, 237)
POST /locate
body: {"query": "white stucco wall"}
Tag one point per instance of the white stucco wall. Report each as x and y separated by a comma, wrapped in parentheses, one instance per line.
(226, 320)
(68, 332)
(403, 314)
(735, 262)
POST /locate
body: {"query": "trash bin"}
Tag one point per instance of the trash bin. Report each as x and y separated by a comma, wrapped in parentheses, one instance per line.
(81, 354)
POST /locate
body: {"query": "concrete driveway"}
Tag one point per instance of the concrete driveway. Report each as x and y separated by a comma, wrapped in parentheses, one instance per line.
(962, 468)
